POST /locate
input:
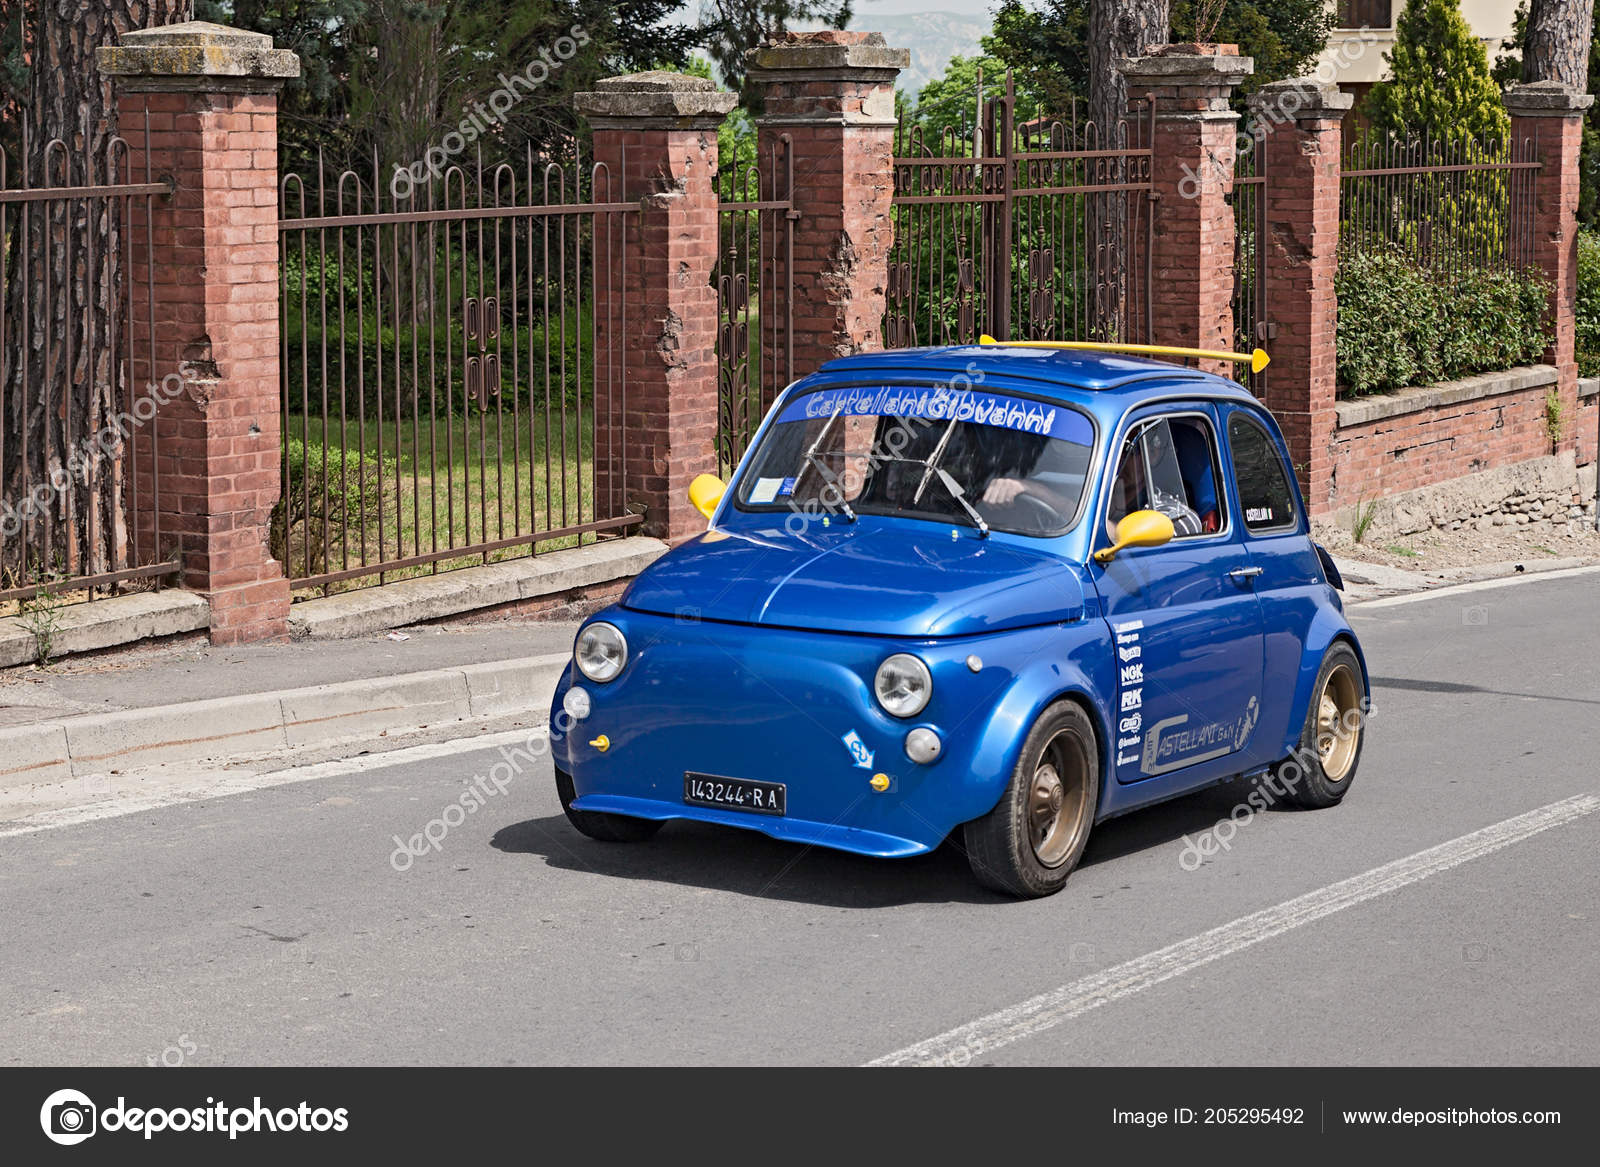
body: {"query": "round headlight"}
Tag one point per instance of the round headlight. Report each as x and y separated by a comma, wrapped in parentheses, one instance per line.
(601, 651)
(903, 685)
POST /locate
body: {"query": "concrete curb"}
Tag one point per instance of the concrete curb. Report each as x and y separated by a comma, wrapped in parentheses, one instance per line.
(433, 597)
(259, 723)
(107, 623)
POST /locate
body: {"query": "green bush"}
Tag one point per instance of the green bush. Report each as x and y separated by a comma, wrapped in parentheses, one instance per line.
(1402, 324)
(1588, 313)
(339, 484)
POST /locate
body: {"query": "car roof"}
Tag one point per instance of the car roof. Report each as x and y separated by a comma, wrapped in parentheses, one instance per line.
(1076, 375)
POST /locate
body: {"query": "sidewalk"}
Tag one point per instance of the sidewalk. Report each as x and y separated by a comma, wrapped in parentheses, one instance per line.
(189, 713)
(141, 677)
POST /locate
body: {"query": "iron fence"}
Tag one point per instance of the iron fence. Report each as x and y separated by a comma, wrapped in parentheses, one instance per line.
(754, 281)
(80, 427)
(1035, 230)
(454, 368)
(1450, 207)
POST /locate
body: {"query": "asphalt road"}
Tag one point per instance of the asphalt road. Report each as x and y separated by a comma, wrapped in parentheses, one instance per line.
(270, 927)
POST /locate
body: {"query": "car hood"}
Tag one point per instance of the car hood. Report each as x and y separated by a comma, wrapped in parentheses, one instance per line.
(883, 581)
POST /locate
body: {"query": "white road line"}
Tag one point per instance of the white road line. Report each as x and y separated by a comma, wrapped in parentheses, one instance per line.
(1481, 585)
(220, 783)
(961, 1045)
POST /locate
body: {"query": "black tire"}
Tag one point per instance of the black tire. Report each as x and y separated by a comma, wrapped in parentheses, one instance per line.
(608, 828)
(1009, 848)
(1320, 772)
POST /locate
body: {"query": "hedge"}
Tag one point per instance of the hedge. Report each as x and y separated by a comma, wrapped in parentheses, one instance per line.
(1401, 323)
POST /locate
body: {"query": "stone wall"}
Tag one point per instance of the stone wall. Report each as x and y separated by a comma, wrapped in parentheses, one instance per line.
(1547, 490)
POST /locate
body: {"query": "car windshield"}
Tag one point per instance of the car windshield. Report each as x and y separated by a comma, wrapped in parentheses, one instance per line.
(985, 460)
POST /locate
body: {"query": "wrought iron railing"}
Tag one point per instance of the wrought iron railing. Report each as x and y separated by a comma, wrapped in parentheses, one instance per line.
(454, 367)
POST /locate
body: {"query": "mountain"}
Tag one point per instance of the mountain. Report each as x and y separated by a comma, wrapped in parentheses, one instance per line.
(932, 37)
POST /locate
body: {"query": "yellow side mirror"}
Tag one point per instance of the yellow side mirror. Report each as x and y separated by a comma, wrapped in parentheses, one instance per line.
(705, 492)
(1139, 529)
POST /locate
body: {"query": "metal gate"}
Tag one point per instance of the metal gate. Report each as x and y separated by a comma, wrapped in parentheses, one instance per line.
(754, 281)
(1039, 230)
(1251, 328)
(448, 352)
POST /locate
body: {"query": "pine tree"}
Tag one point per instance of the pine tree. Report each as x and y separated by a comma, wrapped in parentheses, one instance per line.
(1441, 88)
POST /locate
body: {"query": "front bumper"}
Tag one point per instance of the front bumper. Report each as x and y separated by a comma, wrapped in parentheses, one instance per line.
(776, 705)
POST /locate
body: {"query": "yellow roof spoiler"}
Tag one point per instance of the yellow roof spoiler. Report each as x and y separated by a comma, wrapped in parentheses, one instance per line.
(1257, 359)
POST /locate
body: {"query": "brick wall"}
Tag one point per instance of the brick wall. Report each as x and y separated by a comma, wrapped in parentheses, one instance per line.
(831, 93)
(213, 248)
(655, 140)
(1586, 437)
(1379, 457)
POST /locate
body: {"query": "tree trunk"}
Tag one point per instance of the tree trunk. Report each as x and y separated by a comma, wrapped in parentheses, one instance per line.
(60, 374)
(1557, 47)
(1117, 28)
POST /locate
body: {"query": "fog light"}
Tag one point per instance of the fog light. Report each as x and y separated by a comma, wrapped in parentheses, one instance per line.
(923, 745)
(576, 703)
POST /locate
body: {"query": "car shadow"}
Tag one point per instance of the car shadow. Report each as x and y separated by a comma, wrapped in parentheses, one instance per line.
(720, 858)
(1167, 823)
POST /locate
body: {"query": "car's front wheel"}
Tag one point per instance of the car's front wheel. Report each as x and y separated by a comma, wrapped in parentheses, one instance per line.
(608, 828)
(1033, 838)
(1320, 772)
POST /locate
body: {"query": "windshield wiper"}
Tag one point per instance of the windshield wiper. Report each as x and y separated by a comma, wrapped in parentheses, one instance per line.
(947, 480)
(816, 462)
(933, 461)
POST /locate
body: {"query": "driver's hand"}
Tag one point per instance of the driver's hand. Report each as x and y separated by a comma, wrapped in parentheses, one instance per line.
(1002, 491)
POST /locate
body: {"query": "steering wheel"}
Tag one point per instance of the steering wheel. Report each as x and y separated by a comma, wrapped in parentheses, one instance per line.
(1047, 517)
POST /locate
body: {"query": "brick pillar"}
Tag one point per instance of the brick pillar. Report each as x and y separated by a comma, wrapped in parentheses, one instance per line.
(655, 142)
(198, 102)
(832, 94)
(1550, 116)
(1191, 287)
(1298, 127)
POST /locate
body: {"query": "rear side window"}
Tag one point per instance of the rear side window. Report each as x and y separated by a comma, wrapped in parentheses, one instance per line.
(1264, 490)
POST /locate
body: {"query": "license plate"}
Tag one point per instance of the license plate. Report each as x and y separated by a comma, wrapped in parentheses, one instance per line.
(733, 793)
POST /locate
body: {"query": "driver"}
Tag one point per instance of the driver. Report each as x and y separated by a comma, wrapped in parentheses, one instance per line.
(1008, 483)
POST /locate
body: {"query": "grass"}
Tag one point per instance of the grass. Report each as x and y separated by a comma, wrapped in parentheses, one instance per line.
(453, 482)
(1366, 512)
(1406, 552)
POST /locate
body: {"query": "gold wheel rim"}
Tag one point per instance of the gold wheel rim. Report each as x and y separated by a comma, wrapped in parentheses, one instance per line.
(1339, 723)
(1058, 800)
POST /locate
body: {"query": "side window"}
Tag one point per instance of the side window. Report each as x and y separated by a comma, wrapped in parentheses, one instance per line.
(1170, 465)
(1264, 490)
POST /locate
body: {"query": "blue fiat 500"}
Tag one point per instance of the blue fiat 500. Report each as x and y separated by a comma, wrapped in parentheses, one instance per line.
(1004, 590)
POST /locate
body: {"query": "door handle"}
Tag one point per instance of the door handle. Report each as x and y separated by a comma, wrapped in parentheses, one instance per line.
(1240, 574)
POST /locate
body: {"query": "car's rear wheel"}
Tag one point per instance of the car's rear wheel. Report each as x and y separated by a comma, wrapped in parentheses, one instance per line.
(1035, 835)
(1320, 772)
(608, 828)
